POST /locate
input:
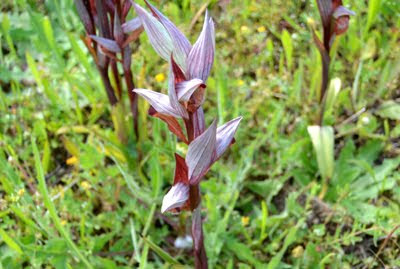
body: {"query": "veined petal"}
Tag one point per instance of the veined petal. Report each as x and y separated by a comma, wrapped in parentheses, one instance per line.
(198, 122)
(200, 153)
(131, 25)
(173, 97)
(109, 44)
(342, 11)
(159, 101)
(181, 44)
(201, 56)
(176, 197)
(185, 89)
(225, 134)
(158, 35)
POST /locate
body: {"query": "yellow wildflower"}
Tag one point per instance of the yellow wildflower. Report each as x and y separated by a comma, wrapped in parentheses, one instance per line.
(245, 220)
(14, 198)
(244, 29)
(310, 22)
(72, 160)
(85, 185)
(160, 77)
(241, 82)
(21, 192)
(297, 252)
(261, 29)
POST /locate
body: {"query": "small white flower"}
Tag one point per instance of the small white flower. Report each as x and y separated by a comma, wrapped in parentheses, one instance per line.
(183, 242)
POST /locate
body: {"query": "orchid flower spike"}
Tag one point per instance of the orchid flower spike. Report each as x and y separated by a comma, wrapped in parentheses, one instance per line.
(190, 67)
(335, 19)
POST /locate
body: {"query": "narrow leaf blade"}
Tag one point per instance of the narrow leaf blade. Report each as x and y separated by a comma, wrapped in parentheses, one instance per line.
(160, 252)
(109, 44)
(10, 242)
(132, 25)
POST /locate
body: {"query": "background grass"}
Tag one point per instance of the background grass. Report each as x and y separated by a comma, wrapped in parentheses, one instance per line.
(72, 197)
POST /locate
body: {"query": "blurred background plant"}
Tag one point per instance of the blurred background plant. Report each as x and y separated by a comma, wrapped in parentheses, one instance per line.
(107, 39)
(262, 199)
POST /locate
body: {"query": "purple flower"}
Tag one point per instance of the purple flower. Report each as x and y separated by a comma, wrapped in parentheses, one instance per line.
(190, 67)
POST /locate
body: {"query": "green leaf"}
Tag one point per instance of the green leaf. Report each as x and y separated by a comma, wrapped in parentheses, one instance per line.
(10, 242)
(287, 47)
(373, 10)
(390, 110)
(267, 188)
(242, 251)
(160, 252)
(290, 238)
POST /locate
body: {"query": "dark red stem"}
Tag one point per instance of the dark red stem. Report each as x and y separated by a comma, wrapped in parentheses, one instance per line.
(133, 100)
(194, 127)
(200, 256)
(109, 89)
(324, 84)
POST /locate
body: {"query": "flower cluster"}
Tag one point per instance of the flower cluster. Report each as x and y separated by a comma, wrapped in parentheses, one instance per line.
(335, 19)
(189, 68)
(108, 36)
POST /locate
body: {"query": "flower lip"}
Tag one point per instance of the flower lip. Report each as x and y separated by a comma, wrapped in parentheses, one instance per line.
(342, 11)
